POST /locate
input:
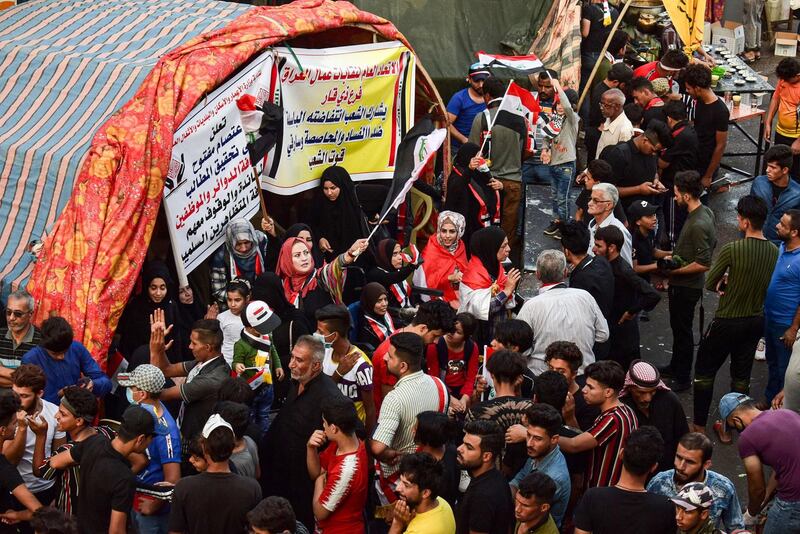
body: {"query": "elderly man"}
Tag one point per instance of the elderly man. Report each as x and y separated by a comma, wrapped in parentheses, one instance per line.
(617, 78)
(601, 208)
(561, 313)
(284, 454)
(19, 337)
(617, 128)
(654, 404)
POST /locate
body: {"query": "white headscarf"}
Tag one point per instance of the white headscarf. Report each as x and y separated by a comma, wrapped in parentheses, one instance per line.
(457, 220)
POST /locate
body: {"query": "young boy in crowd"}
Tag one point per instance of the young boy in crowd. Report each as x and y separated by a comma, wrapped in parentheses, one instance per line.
(256, 360)
(784, 104)
(340, 471)
(237, 295)
(514, 335)
(597, 172)
(196, 458)
(454, 359)
(643, 216)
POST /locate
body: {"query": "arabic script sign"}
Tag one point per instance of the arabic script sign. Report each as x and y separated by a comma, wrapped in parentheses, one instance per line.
(347, 106)
(211, 180)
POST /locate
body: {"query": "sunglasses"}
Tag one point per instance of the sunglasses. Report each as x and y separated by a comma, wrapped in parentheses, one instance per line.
(16, 313)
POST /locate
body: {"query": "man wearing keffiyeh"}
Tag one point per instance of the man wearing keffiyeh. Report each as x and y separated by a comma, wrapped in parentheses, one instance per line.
(655, 404)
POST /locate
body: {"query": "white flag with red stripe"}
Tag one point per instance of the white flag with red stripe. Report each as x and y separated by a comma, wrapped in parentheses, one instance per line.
(520, 102)
(527, 64)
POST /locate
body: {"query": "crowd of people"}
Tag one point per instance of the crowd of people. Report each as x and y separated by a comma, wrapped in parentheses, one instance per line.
(326, 382)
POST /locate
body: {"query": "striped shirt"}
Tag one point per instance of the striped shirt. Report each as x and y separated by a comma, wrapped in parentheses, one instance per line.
(413, 394)
(749, 263)
(11, 353)
(345, 491)
(611, 430)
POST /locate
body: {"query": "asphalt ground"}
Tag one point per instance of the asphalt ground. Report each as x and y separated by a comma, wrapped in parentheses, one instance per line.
(656, 336)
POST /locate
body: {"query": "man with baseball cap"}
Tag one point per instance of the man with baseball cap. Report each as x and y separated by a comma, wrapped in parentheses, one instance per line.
(642, 217)
(144, 385)
(767, 438)
(692, 504)
(465, 104)
(107, 484)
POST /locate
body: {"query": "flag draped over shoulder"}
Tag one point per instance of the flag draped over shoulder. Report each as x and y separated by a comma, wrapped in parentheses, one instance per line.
(525, 64)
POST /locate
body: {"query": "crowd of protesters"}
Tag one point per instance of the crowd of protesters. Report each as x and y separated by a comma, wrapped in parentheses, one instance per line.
(338, 385)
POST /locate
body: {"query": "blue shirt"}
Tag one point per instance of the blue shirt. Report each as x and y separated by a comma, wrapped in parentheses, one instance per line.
(465, 109)
(788, 199)
(553, 465)
(783, 293)
(163, 449)
(725, 513)
(67, 372)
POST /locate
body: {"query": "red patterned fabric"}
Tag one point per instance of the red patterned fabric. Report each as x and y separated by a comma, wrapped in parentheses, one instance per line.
(93, 256)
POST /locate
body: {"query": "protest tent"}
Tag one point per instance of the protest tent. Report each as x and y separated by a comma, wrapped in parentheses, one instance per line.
(91, 259)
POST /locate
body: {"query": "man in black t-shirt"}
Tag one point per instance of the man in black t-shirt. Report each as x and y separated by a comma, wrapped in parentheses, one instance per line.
(635, 164)
(681, 156)
(486, 506)
(710, 121)
(216, 500)
(627, 508)
(107, 483)
(643, 217)
(12, 488)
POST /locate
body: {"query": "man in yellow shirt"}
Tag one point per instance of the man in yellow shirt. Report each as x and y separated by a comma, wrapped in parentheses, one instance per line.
(419, 510)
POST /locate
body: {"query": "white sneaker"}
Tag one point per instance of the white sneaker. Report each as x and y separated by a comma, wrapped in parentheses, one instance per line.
(761, 350)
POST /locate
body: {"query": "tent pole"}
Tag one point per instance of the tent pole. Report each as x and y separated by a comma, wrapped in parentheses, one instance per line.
(602, 52)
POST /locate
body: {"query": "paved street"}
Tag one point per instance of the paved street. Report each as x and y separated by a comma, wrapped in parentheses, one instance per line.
(656, 336)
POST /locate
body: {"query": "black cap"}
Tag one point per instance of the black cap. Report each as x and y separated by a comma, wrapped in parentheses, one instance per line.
(640, 208)
(478, 72)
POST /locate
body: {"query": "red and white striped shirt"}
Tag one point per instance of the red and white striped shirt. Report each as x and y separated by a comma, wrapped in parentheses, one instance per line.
(345, 492)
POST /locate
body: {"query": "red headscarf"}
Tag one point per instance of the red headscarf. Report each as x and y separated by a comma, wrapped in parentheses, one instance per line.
(294, 283)
(440, 263)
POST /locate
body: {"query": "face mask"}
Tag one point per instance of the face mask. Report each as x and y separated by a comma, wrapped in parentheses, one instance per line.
(129, 396)
(328, 346)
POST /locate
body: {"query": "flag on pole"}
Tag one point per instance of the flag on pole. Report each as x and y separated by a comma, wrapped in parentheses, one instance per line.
(520, 102)
(424, 149)
(525, 64)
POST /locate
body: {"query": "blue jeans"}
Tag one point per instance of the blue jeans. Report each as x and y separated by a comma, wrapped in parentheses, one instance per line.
(262, 403)
(151, 524)
(783, 517)
(777, 357)
(560, 181)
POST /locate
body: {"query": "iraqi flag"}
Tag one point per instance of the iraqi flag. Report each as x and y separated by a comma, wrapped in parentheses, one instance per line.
(520, 102)
(526, 64)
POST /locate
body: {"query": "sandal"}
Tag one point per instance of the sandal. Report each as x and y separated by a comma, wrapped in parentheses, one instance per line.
(723, 436)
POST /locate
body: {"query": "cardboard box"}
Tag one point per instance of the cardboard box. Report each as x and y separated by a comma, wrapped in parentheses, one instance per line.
(785, 44)
(729, 34)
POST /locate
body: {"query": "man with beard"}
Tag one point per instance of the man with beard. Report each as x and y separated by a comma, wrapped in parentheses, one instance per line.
(284, 452)
(19, 337)
(543, 424)
(690, 260)
(781, 309)
(654, 404)
(419, 508)
(465, 104)
(28, 383)
(414, 393)
(486, 506)
(631, 295)
(693, 464)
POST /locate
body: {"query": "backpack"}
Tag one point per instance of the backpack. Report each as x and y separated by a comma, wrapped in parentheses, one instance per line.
(441, 353)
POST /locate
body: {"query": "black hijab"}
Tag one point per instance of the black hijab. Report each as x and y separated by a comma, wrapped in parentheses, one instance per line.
(269, 288)
(294, 231)
(134, 324)
(383, 256)
(342, 221)
(484, 244)
(479, 180)
(369, 297)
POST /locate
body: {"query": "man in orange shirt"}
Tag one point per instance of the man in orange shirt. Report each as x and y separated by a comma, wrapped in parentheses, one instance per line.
(786, 104)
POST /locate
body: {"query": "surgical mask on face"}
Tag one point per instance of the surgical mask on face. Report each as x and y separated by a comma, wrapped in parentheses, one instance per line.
(327, 345)
(129, 395)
